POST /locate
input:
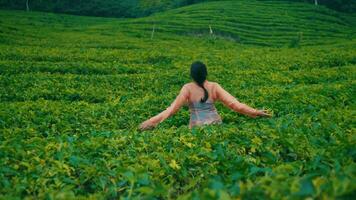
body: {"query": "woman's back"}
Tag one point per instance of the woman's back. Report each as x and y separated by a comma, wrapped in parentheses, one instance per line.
(200, 95)
(196, 92)
(202, 113)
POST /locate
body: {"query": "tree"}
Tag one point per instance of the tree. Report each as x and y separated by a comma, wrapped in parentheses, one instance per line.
(136, 8)
(27, 6)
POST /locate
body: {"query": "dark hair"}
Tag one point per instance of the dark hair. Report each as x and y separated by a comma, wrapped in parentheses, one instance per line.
(198, 73)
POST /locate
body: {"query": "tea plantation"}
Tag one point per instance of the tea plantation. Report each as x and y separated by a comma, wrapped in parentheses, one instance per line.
(74, 89)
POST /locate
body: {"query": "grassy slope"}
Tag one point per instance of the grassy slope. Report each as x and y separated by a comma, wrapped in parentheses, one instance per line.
(251, 22)
(74, 90)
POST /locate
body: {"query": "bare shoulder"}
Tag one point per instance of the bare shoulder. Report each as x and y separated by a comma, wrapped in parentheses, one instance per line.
(187, 86)
(214, 84)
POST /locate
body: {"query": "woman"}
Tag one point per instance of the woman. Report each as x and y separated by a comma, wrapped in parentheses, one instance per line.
(200, 95)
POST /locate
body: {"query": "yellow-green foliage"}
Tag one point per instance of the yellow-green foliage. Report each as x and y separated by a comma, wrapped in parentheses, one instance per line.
(74, 89)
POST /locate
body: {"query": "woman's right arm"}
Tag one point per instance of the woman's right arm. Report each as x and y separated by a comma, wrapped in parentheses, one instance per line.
(173, 108)
(231, 102)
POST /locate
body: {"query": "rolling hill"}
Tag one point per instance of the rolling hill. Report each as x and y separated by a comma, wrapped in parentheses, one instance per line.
(253, 22)
(247, 22)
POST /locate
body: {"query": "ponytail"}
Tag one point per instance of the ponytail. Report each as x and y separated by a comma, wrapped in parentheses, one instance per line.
(206, 94)
(198, 72)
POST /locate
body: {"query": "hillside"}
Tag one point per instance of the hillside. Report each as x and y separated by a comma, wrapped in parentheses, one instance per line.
(74, 89)
(253, 22)
(246, 22)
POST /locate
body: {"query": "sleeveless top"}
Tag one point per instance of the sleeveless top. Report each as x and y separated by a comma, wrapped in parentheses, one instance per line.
(203, 114)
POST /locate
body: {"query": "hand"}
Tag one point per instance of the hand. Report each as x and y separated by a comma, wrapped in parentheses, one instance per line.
(146, 125)
(263, 113)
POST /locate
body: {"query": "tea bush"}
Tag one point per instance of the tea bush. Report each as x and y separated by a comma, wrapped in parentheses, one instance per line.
(74, 89)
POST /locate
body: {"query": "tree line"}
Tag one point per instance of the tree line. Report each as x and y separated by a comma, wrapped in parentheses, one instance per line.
(133, 8)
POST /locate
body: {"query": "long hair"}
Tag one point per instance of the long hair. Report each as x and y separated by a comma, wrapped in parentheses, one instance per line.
(198, 73)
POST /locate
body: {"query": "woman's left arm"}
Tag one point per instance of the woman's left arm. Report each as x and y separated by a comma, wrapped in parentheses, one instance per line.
(172, 109)
(231, 102)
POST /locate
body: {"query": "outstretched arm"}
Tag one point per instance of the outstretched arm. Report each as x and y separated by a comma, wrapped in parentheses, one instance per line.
(231, 102)
(173, 108)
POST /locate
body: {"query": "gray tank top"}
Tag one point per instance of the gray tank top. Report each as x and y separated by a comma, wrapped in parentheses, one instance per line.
(203, 114)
